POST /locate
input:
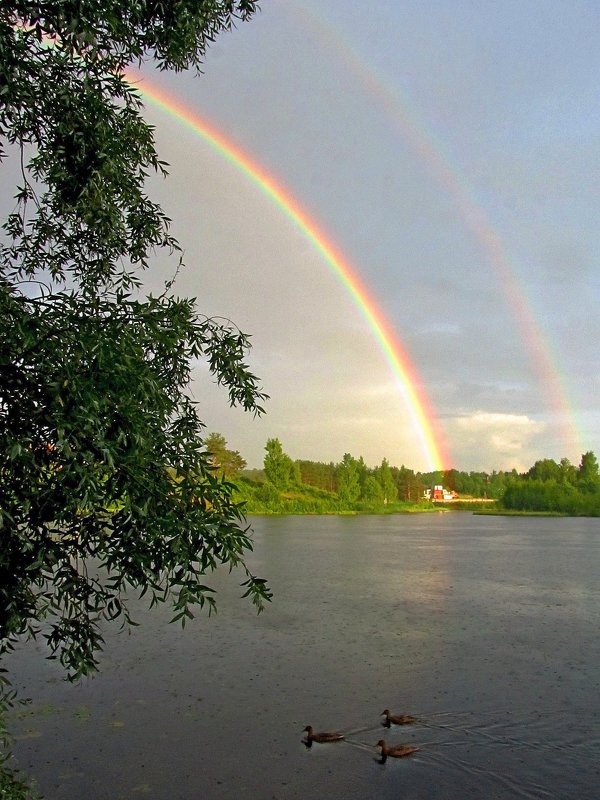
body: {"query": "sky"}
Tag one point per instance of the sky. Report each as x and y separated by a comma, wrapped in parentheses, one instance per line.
(449, 151)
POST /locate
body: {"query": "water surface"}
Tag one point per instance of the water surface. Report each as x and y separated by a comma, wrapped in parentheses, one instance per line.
(483, 627)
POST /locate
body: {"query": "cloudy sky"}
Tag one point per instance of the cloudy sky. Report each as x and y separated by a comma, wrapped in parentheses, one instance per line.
(450, 150)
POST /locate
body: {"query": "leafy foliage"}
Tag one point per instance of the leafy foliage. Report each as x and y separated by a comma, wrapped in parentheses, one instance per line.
(386, 481)
(317, 488)
(278, 465)
(316, 473)
(373, 493)
(105, 484)
(348, 479)
(227, 462)
(13, 787)
(557, 488)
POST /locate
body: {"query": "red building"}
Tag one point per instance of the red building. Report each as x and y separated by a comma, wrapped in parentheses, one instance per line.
(440, 495)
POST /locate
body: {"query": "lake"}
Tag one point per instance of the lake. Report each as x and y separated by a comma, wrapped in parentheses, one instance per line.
(485, 628)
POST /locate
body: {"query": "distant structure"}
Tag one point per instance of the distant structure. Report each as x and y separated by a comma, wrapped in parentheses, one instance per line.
(437, 494)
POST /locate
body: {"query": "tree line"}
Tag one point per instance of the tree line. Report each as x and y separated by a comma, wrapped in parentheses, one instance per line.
(348, 485)
(287, 484)
(557, 487)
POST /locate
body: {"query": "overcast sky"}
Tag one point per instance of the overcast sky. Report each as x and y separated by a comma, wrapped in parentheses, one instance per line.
(451, 150)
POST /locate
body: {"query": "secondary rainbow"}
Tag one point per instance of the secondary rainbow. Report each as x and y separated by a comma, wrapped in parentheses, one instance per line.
(403, 113)
(422, 415)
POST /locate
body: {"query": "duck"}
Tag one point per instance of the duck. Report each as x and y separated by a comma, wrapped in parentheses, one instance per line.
(397, 719)
(395, 750)
(322, 737)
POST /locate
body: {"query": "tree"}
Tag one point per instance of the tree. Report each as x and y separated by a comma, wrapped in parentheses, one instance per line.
(296, 476)
(278, 465)
(588, 475)
(348, 480)
(373, 491)
(408, 486)
(315, 473)
(386, 481)
(449, 481)
(568, 473)
(102, 452)
(363, 472)
(545, 470)
(228, 462)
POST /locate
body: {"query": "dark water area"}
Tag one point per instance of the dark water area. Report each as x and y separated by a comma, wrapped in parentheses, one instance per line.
(485, 628)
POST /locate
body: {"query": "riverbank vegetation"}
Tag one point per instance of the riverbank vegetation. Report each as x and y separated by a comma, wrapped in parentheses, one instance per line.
(559, 488)
(285, 486)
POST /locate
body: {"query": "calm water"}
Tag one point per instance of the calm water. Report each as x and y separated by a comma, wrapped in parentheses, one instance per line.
(484, 627)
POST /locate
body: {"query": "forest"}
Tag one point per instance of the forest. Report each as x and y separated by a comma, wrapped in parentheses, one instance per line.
(285, 485)
(559, 488)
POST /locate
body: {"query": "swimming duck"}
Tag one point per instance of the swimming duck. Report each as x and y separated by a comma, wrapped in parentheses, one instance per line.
(395, 751)
(323, 736)
(397, 719)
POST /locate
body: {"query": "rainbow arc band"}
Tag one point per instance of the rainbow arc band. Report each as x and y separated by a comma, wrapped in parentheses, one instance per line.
(401, 110)
(423, 418)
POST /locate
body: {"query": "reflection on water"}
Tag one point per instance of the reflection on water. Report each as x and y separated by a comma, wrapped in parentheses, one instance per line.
(485, 628)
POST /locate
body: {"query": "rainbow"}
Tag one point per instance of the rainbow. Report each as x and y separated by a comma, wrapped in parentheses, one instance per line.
(402, 113)
(423, 418)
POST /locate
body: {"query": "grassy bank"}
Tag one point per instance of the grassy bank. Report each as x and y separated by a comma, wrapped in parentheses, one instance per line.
(264, 499)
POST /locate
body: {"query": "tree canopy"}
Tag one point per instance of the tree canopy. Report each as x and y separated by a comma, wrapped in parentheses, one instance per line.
(348, 479)
(557, 488)
(228, 462)
(105, 483)
(278, 465)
